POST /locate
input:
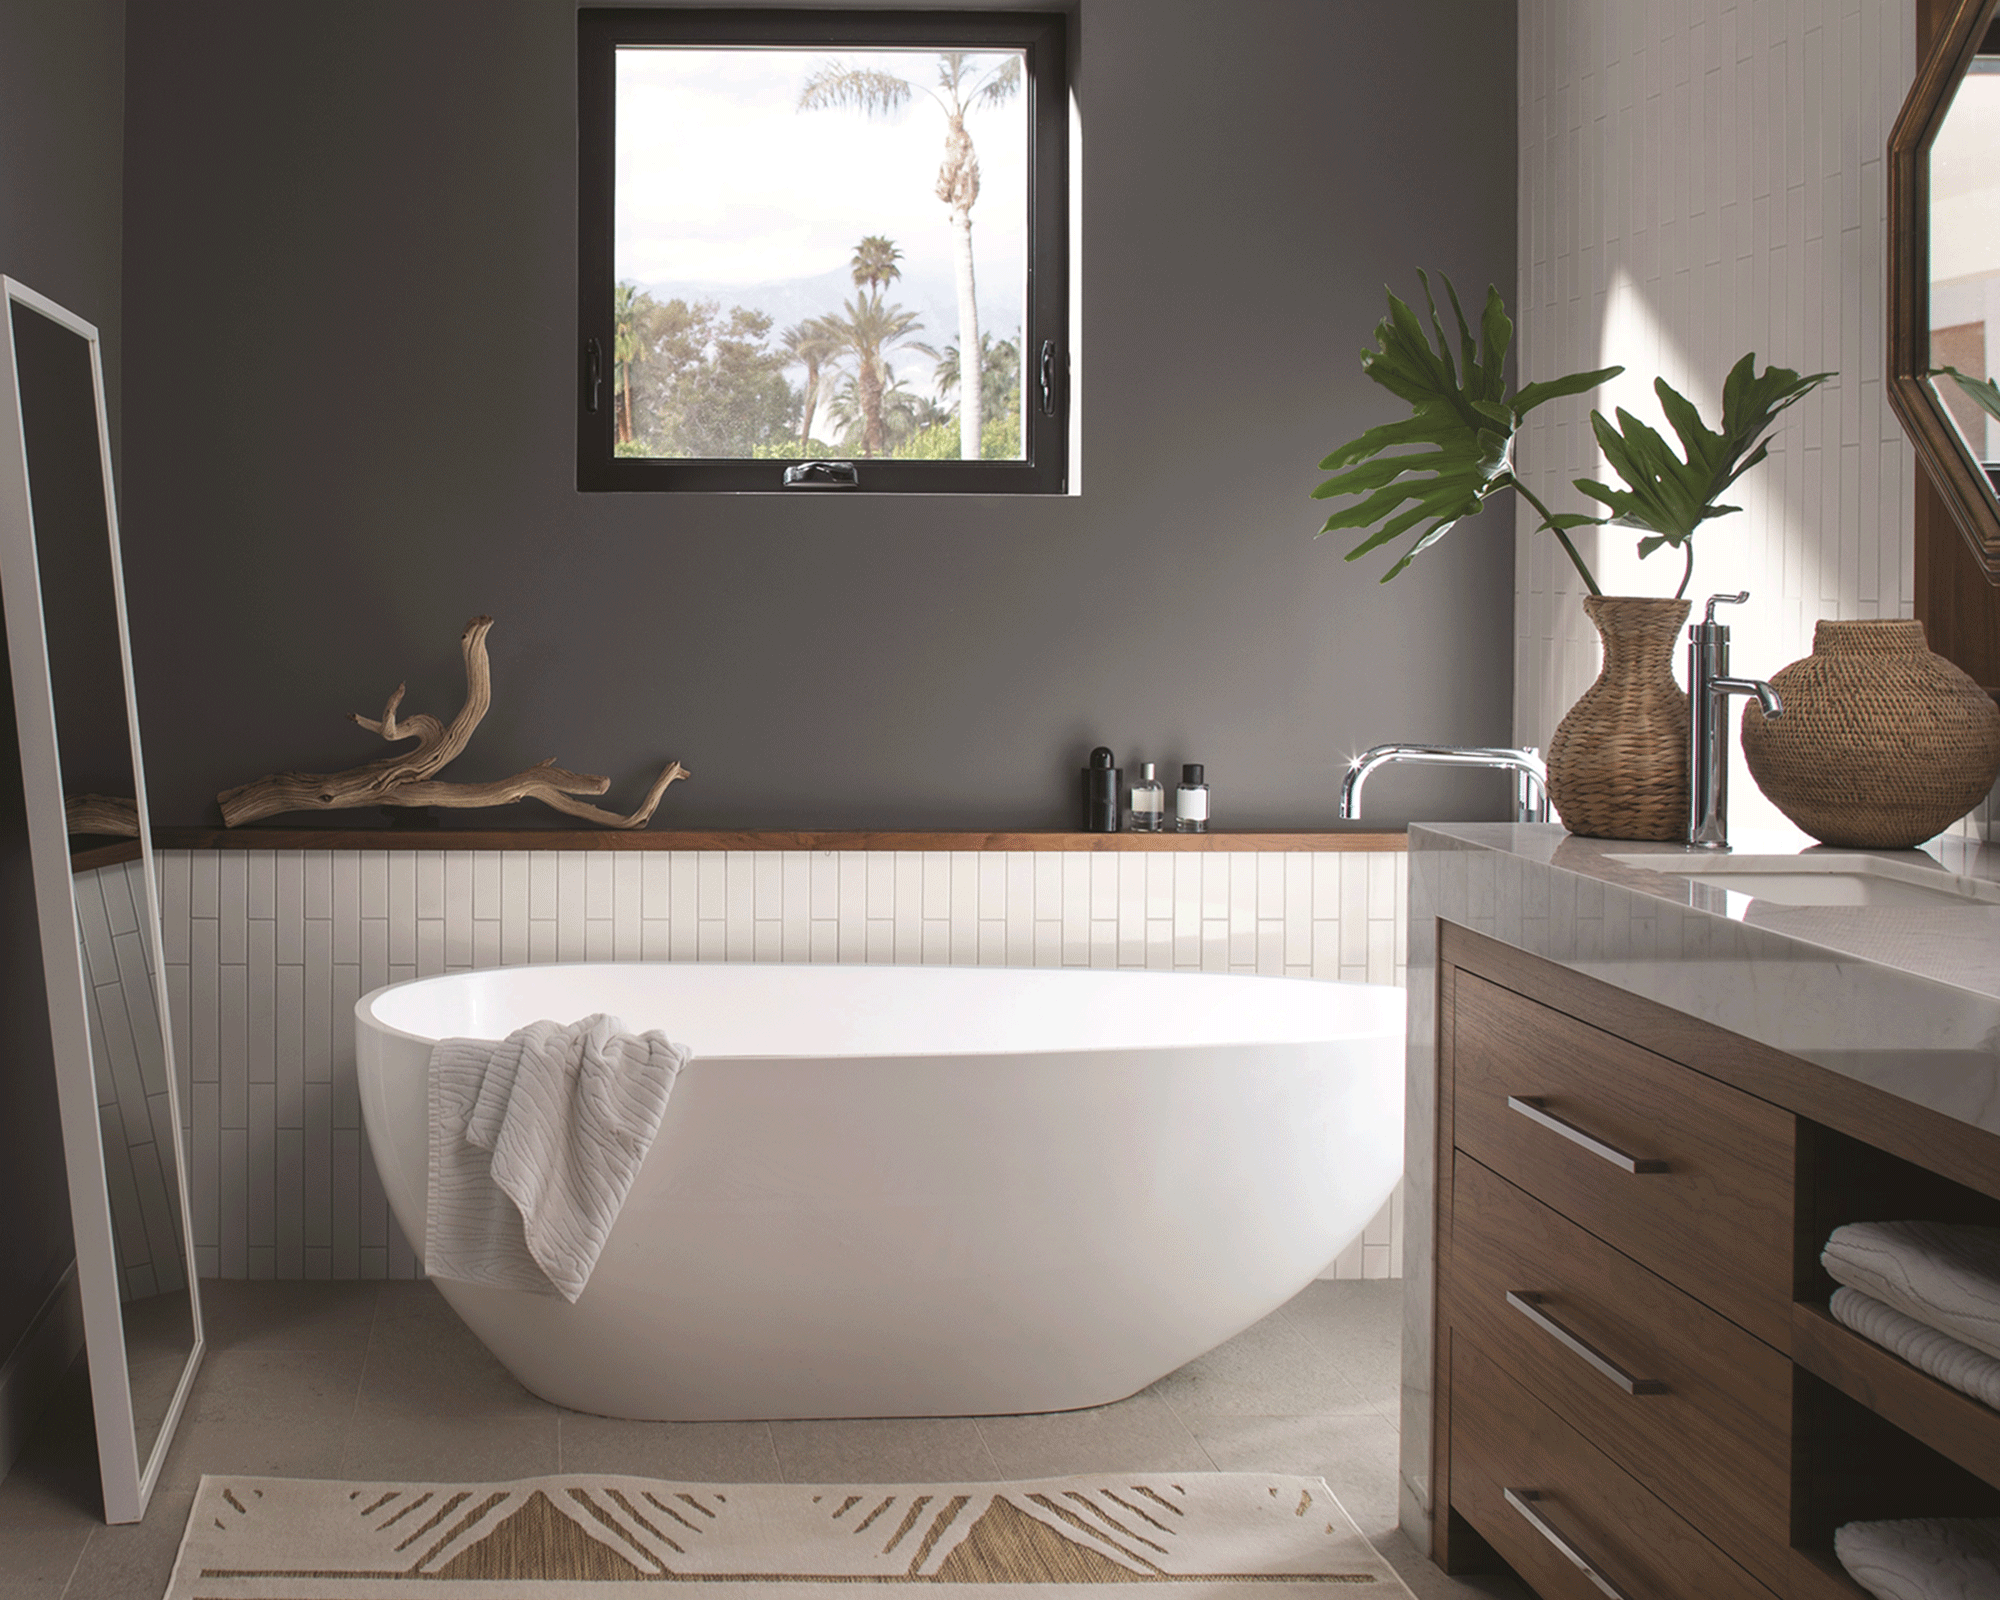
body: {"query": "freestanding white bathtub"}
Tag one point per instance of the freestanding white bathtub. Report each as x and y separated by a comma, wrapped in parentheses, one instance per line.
(927, 1191)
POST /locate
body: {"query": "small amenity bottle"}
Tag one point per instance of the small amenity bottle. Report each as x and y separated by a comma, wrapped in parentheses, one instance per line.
(1191, 801)
(1149, 802)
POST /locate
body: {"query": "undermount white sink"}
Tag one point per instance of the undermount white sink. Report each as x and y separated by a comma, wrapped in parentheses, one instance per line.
(1824, 880)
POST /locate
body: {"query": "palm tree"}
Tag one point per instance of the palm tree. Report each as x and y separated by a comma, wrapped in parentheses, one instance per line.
(813, 342)
(875, 261)
(905, 413)
(843, 414)
(963, 87)
(869, 331)
(999, 374)
(626, 348)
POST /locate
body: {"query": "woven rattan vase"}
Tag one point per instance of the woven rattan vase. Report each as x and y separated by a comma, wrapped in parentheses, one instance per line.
(1882, 745)
(1618, 765)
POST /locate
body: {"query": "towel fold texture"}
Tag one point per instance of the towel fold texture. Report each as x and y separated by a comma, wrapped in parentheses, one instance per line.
(535, 1141)
(1930, 1558)
(1946, 1275)
(1948, 1360)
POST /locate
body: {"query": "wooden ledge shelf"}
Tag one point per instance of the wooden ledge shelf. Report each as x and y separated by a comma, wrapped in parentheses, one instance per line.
(382, 838)
(1955, 1425)
(90, 857)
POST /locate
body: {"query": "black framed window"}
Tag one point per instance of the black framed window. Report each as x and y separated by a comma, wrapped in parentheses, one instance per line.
(833, 237)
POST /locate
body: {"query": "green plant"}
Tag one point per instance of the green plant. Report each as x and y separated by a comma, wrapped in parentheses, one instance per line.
(1467, 419)
(1669, 497)
(1983, 392)
(1470, 424)
(999, 440)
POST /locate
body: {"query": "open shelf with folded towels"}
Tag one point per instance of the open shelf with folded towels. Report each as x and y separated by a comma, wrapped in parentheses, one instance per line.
(1896, 1338)
(1956, 1426)
(1858, 1466)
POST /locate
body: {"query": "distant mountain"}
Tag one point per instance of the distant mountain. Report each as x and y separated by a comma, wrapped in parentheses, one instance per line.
(933, 296)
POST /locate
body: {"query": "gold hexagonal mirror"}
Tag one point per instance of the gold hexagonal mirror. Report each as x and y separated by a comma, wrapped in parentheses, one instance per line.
(1944, 271)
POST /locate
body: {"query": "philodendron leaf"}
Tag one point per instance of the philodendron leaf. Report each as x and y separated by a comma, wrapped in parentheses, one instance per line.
(1670, 495)
(1983, 391)
(1411, 430)
(1530, 395)
(1456, 446)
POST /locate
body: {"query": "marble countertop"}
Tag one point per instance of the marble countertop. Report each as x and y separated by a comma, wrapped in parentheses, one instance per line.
(1905, 997)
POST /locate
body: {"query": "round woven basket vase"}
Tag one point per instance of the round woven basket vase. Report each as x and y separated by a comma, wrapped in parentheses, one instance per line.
(1618, 764)
(1882, 745)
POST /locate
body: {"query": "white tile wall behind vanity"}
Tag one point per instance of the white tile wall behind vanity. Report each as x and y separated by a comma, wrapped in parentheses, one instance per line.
(267, 951)
(1700, 178)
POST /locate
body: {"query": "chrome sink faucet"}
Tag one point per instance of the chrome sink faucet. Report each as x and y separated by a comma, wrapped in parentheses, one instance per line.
(1709, 689)
(1531, 778)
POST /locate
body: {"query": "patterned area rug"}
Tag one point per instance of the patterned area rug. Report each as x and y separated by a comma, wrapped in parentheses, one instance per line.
(1222, 1533)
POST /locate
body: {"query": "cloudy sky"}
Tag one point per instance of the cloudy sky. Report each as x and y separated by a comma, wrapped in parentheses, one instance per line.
(722, 179)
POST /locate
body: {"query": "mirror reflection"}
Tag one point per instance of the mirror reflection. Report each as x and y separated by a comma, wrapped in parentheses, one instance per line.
(1965, 262)
(116, 924)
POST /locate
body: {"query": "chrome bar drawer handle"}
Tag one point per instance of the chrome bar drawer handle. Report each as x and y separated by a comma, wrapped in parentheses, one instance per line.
(1532, 1110)
(1529, 1304)
(1520, 1500)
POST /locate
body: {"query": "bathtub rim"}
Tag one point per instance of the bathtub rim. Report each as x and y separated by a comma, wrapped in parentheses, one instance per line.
(365, 1014)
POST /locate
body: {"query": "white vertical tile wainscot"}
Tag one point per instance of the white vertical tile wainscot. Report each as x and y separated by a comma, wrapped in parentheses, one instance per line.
(135, 1123)
(267, 951)
(1700, 178)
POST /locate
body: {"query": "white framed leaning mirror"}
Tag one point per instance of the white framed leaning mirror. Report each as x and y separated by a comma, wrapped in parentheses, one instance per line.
(82, 821)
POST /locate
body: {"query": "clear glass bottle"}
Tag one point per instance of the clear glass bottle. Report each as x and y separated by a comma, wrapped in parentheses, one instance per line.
(1149, 803)
(1191, 801)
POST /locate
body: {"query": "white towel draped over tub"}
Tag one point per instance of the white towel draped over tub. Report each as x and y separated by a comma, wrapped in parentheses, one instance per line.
(534, 1143)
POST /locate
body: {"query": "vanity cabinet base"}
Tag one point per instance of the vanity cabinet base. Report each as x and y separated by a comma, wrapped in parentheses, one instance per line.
(1638, 1390)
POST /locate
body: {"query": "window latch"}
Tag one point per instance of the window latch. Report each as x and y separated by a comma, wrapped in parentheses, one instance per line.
(1050, 378)
(593, 374)
(822, 475)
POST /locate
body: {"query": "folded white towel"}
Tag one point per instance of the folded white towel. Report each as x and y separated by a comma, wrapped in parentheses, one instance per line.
(1932, 1558)
(1945, 1274)
(1967, 1370)
(534, 1143)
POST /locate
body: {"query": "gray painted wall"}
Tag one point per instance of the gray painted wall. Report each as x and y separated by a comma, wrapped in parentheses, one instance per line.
(62, 68)
(62, 160)
(349, 295)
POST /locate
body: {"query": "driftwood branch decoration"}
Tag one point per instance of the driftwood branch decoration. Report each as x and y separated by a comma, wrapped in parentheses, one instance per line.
(410, 778)
(112, 816)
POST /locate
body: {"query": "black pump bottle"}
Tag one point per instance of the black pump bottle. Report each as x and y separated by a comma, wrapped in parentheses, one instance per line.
(1102, 782)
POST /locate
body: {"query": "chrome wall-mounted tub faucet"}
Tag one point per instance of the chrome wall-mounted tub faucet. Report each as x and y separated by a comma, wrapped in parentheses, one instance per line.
(1709, 689)
(1531, 778)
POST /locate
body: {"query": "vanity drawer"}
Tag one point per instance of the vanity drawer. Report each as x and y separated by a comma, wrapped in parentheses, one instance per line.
(1692, 1406)
(1680, 1171)
(1503, 1439)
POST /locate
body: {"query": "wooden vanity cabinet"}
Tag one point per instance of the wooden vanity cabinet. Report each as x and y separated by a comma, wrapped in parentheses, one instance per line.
(1638, 1388)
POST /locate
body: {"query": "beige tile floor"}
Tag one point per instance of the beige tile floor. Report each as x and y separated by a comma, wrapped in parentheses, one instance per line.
(364, 1380)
